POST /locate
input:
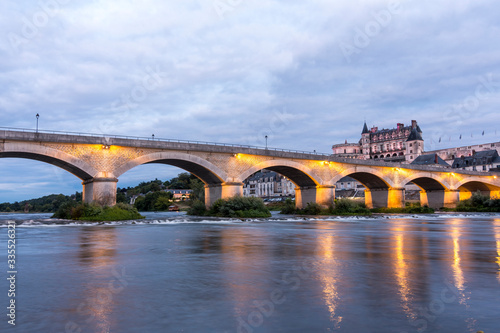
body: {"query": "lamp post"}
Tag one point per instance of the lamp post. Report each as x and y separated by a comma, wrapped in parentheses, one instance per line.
(266, 141)
(153, 136)
(37, 116)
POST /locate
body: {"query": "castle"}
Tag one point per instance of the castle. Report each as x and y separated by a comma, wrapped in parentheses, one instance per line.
(400, 144)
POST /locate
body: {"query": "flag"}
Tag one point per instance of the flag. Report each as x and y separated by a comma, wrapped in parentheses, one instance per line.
(439, 139)
(483, 133)
(460, 136)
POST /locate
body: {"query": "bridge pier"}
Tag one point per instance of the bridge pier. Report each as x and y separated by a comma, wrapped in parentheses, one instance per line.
(100, 190)
(323, 195)
(226, 190)
(440, 198)
(383, 197)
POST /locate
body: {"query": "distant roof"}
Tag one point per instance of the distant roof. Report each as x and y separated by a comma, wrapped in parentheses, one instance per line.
(429, 159)
(484, 157)
(415, 135)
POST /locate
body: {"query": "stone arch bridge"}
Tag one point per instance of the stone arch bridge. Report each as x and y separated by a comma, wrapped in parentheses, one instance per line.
(99, 161)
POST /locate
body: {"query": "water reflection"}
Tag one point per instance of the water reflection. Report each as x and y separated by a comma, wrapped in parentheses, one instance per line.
(402, 271)
(328, 272)
(458, 274)
(497, 237)
(97, 256)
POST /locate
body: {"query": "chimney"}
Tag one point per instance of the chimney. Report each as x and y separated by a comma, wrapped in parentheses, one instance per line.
(436, 158)
(413, 124)
(400, 126)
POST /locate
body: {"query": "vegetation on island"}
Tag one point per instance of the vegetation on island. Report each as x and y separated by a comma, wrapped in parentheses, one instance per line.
(478, 203)
(342, 207)
(94, 212)
(410, 208)
(241, 207)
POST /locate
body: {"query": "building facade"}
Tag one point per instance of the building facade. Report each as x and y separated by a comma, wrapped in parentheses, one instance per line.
(400, 144)
(266, 184)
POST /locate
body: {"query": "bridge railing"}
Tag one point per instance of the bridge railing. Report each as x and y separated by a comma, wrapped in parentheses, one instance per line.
(127, 137)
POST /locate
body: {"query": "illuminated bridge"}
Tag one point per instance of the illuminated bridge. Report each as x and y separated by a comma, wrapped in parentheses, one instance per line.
(100, 160)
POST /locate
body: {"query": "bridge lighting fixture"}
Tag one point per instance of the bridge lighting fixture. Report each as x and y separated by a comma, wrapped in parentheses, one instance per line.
(105, 147)
(237, 155)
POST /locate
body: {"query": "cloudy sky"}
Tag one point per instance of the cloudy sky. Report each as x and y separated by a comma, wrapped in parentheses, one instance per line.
(305, 73)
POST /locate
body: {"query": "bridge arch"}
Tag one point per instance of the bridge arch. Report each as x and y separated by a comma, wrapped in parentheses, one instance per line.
(52, 156)
(475, 184)
(201, 168)
(381, 191)
(371, 178)
(427, 181)
(300, 174)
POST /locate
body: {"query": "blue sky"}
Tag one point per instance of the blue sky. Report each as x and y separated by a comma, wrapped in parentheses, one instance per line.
(305, 73)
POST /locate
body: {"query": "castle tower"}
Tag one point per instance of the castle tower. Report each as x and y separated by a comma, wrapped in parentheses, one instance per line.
(365, 142)
(414, 143)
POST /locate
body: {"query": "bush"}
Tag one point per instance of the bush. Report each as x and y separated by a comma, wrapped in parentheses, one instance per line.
(289, 207)
(414, 208)
(478, 203)
(95, 212)
(239, 207)
(197, 208)
(312, 208)
(349, 207)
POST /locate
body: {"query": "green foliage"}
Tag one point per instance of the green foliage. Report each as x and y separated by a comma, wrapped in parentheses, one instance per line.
(153, 201)
(197, 208)
(311, 208)
(346, 206)
(478, 203)
(410, 208)
(289, 207)
(235, 207)
(94, 212)
(342, 207)
(46, 204)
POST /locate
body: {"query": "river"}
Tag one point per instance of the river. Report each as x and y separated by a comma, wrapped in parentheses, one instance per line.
(174, 273)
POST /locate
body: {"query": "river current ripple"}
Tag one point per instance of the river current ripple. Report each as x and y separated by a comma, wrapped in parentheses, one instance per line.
(174, 273)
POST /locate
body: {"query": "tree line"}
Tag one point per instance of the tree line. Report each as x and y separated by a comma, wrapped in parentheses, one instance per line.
(151, 196)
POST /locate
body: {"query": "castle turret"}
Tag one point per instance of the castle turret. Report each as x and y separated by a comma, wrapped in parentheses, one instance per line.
(414, 144)
(365, 141)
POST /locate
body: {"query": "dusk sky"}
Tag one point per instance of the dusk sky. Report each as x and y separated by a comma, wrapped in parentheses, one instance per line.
(305, 73)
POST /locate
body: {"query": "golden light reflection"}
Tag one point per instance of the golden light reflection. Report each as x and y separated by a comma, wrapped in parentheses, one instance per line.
(328, 274)
(458, 274)
(402, 271)
(497, 237)
(97, 252)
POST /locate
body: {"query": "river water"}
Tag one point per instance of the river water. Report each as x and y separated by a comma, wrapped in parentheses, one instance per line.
(173, 273)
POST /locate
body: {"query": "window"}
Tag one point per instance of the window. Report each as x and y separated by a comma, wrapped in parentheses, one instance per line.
(484, 167)
(410, 144)
(411, 157)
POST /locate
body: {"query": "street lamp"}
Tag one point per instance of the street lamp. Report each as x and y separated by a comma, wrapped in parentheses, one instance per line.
(153, 136)
(37, 116)
(266, 141)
